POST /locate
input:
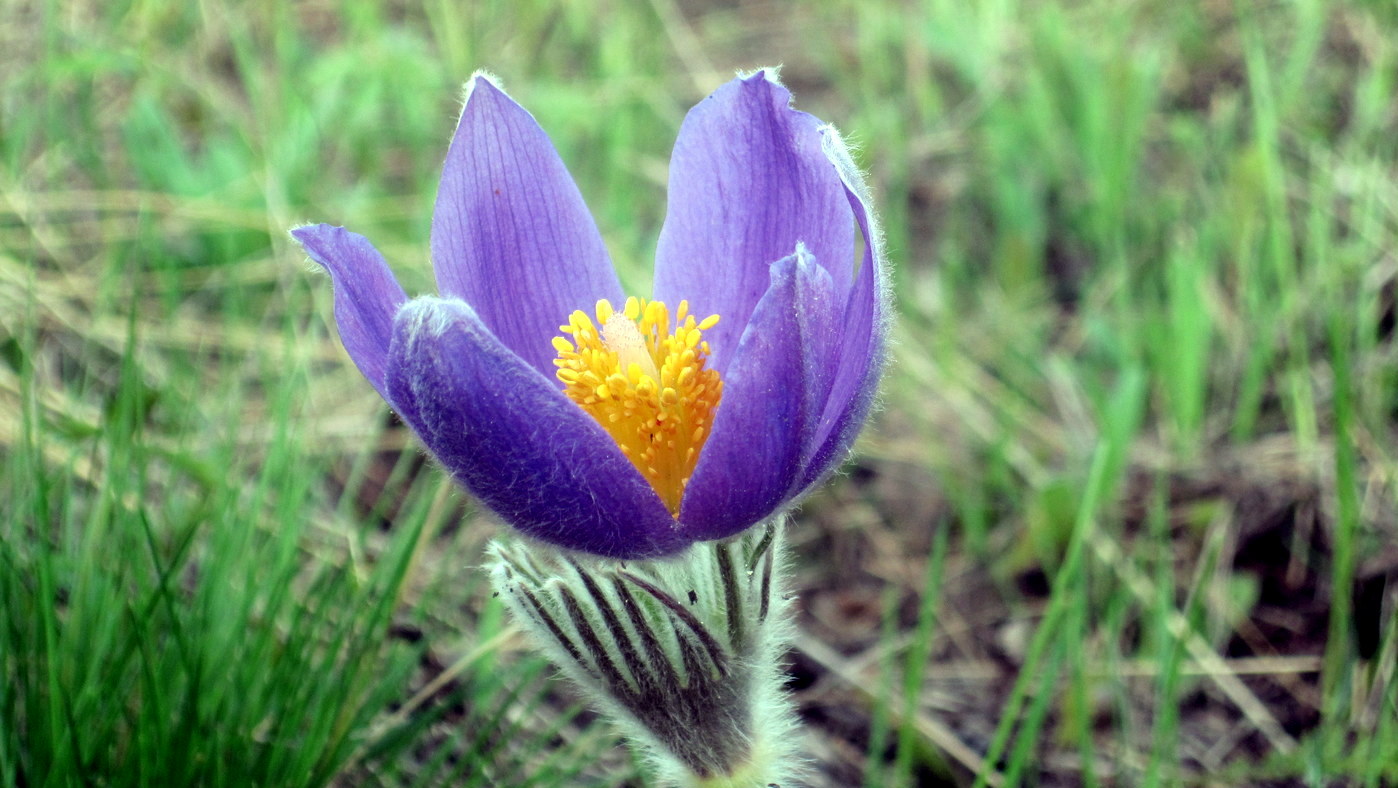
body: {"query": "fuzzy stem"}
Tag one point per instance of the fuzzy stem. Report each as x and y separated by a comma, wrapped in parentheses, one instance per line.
(683, 655)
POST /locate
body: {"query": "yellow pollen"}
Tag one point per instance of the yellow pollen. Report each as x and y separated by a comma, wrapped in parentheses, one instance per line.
(646, 383)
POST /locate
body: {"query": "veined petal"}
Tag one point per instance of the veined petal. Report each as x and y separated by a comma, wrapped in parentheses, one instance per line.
(748, 181)
(512, 438)
(510, 233)
(865, 331)
(367, 295)
(773, 395)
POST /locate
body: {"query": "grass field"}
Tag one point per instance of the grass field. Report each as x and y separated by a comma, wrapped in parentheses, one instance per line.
(1128, 515)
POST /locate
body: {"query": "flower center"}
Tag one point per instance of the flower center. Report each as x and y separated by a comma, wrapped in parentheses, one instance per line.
(645, 384)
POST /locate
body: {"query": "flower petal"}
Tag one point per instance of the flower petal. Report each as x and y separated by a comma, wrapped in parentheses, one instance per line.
(773, 394)
(865, 332)
(513, 439)
(367, 295)
(510, 233)
(748, 181)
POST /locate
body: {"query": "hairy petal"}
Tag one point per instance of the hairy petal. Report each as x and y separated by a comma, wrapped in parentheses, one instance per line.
(367, 295)
(510, 233)
(862, 353)
(773, 394)
(513, 439)
(748, 181)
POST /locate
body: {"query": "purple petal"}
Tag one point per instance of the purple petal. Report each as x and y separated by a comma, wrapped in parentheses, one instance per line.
(773, 394)
(367, 296)
(748, 181)
(862, 354)
(515, 441)
(510, 233)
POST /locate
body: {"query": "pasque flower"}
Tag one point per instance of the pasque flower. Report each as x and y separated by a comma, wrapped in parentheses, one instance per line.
(624, 427)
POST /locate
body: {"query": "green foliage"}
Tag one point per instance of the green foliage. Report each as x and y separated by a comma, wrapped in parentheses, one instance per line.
(1138, 245)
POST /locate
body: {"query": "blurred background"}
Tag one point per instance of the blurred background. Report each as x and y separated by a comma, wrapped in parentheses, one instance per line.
(1126, 515)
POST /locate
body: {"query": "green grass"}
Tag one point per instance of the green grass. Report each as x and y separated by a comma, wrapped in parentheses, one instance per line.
(1145, 273)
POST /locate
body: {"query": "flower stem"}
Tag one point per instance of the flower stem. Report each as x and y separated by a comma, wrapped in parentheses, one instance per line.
(683, 654)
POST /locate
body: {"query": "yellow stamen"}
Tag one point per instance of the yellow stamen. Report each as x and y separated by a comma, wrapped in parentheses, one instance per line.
(646, 383)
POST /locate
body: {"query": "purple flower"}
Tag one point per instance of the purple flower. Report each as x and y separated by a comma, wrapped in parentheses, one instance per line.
(658, 425)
